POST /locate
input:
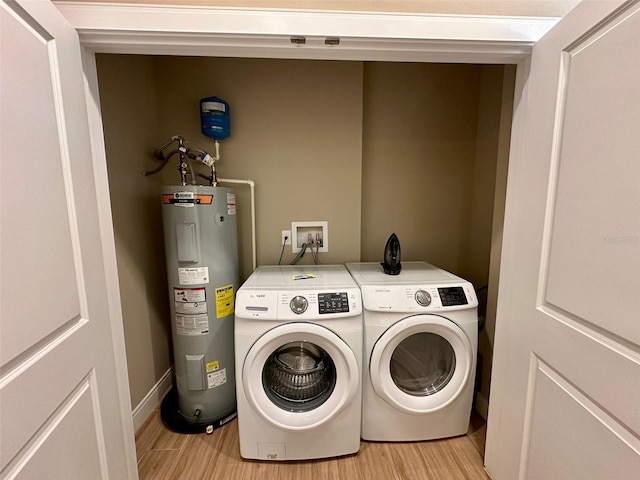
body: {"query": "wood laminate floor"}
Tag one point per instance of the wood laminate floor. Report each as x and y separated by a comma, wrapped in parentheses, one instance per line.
(163, 454)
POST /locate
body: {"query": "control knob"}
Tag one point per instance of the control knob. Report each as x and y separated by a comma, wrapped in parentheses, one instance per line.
(298, 304)
(423, 298)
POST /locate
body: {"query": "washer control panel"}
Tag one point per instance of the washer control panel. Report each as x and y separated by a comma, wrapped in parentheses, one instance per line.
(333, 302)
(299, 304)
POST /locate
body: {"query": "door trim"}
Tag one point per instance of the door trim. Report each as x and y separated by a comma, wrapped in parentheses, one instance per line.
(267, 33)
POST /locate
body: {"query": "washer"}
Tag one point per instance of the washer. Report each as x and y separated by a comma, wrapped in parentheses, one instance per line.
(298, 347)
(421, 336)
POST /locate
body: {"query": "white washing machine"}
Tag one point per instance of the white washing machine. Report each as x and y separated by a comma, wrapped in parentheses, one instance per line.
(298, 347)
(421, 336)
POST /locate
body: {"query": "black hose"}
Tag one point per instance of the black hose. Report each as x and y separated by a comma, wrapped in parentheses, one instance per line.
(300, 254)
(159, 156)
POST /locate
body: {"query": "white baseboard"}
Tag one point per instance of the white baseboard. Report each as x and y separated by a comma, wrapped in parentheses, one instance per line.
(152, 400)
(482, 405)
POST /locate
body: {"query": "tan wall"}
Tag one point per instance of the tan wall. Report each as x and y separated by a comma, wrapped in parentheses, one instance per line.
(419, 145)
(130, 116)
(502, 166)
(371, 148)
(487, 203)
(478, 242)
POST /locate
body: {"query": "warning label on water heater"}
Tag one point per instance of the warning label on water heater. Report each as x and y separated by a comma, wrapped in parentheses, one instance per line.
(212, 366)
(190, 301)
(231, 203)
(189, 295)
(224, 301)
(192, 324)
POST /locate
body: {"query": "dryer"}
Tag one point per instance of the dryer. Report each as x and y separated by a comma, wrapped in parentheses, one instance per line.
(298, 351)
(420, 347)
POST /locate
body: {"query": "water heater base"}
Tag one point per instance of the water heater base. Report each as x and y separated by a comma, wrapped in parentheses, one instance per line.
(174, 421)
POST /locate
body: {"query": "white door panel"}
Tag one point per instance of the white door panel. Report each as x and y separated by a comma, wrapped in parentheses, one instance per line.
(35, 275)
(566, 369)
(63, 407)
(596, 446)
(71, 425)
(598, 366)
(593, 216)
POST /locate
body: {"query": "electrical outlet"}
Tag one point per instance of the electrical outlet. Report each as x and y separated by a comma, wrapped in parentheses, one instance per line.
(285, 239)
(314, 234)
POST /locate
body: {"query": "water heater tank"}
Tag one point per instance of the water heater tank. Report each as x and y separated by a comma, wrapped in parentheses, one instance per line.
(215, 118)
(202, 272)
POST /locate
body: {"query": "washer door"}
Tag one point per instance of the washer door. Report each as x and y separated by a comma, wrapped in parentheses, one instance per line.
(299, 376)
(421, 363)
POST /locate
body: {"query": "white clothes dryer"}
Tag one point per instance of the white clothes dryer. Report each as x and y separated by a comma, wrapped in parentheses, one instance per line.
(420, 347)
(298, 348)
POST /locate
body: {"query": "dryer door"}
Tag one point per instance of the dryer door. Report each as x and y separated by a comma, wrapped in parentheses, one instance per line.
(299, 376)
(421, 363)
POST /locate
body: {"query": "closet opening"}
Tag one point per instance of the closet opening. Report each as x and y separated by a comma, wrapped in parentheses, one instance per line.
(372, 147)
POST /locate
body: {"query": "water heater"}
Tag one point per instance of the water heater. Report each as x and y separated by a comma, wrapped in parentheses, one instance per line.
(202, 268)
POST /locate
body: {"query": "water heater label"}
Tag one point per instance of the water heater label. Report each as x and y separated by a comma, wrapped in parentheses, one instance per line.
(192, 324)
(193, 276)
(224, 301)
(231, 203)
(217, 378)
(213, 366)
(190, 301)
(186, 198)
(191, 308)
(190, 294)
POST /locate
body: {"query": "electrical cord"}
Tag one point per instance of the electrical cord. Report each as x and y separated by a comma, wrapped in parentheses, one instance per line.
(481, 318)
(284, 242)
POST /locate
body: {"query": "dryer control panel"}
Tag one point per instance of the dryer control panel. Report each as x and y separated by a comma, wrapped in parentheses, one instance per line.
(419, 298)
(452, 296)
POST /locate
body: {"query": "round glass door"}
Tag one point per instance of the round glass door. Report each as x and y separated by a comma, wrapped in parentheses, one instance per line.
(298, 376)
(421, 363)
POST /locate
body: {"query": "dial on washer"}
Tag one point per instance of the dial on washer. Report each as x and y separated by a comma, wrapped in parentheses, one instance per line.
(298, 304)
(423, 298)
